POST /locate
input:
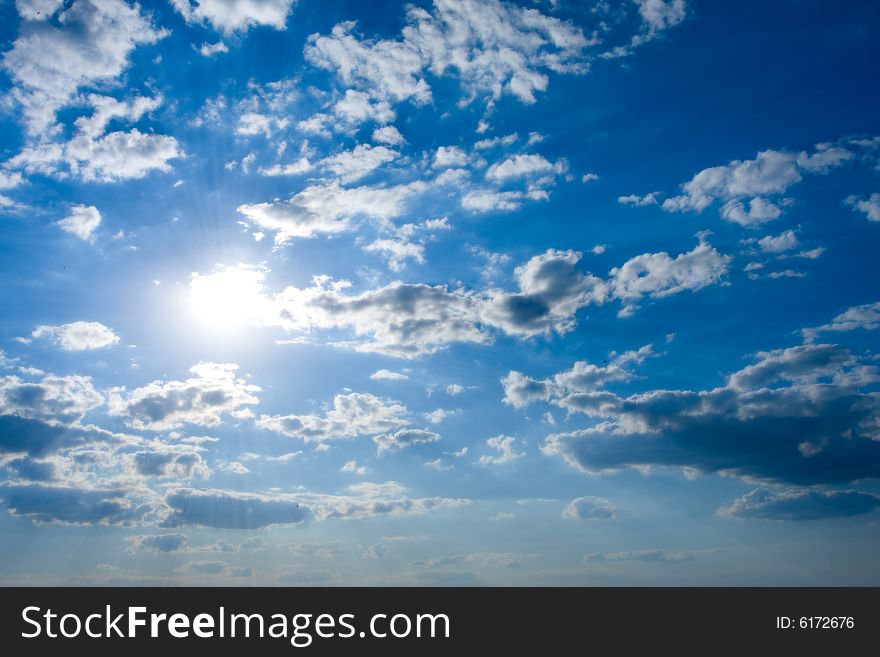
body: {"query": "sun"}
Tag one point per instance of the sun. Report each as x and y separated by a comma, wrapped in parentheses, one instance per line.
(229, 298)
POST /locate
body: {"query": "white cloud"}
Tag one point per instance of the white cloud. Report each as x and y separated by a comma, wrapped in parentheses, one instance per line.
(82, 221)
(865, 317)
(352, 414)
(486, 200)
(328, 208)
(449, 156)
(638, 201)
(352, 466)
(115, 156)
(397, 251)
(388, 135)
(589, 177)
(504, 445)
(454, 389)
(10, 179)
(870, 206)
(574, 388)
(759, 211)
(492, 142)
(212, 391)
(78, 336)
(659, 275)
(88, 44)
(388, 375)
(589, 508)
(493, 48)
(519, 166)
(781, 243)
(37, 10)
(393, 442)
(363, 159)
(211, 49)
(255, 123)
(301, 166)
(750, 182)
(660, 15)
(357, 107)
(235, 15)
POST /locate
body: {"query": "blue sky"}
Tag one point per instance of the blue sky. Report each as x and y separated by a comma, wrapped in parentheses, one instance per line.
(460, 292)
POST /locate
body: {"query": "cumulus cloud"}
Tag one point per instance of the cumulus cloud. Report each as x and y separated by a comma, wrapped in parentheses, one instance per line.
(357, 107)
(869, 205)
(519, 166)
(785, 241)
(751, 190)
(211, 49)
(212, 391)
(407, 320)
(63, 399)
(487, 200)
(493, 48)
(78, 336)
(235, 15)
(393, 442)
(94, 156)
(449, 156)
(504, 445)
(589, 508)
(801, 504)
(82, 221)
(328, 208)
(363, 159)
(88, 44)
(796, 416)
(575, 386)
(552, 290)
(659, 275)
(352, 414)
(388, 135)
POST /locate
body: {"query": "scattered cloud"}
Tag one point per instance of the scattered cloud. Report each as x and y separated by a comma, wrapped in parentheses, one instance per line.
(212, 391)
(78, 336)
(504, 445)
(589, 508)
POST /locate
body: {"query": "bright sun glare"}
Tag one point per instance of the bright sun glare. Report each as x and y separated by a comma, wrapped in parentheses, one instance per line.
(229, 298)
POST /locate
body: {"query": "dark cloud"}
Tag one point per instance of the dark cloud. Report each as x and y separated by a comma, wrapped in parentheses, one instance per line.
(37, 438)
(801, 504)
(70, 505)
(27, 468)
(226, 509)
(815, 426)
